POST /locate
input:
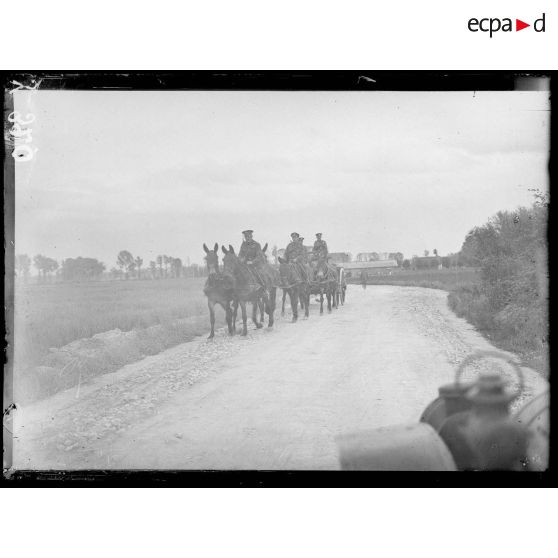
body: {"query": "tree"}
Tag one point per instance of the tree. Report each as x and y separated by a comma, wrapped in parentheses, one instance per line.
(166, 261)
(125, 262)
(479, 243)
(50, 265)
(435, 252)
(81, 269)
(23, 263)
(453, 259)
(138, 261)
(511, 252)
(160, 263)
(153, 269)
(176, 267)
(426, 252)
(44, 265)
(39, 262)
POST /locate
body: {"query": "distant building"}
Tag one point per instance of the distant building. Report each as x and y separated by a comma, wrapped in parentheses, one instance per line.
(339, 257)
(379, 267)
(427, 262)
(367, 257)
(379, 256)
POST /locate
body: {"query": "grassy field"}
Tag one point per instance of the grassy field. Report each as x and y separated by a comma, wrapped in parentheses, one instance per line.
(446, 279)
(52, 315)
(55, 314)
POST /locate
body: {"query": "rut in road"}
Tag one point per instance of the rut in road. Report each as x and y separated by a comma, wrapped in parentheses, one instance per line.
(274, 400)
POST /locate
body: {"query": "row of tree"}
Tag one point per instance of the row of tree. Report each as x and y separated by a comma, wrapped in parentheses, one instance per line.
(86, 269)
(71, 269)
(45, 266)
(163, 267)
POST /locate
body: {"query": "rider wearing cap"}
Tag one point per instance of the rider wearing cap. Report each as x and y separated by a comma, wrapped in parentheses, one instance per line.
(250, 252)
(295, 249)
(296, 253)
(320, 247)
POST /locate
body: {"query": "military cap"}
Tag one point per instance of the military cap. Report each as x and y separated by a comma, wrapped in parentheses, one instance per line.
(248, 231)
(318, 234)
(295, 234)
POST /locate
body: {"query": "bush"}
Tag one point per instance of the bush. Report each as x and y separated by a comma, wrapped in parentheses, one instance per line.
(510, 303)
(471, 304)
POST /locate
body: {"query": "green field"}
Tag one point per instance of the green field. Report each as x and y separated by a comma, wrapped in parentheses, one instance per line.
(52, 315)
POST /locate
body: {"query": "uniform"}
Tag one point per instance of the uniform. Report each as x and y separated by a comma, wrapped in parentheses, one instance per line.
(296, 253)
(295, 250)
(251, 251)
(320, 248)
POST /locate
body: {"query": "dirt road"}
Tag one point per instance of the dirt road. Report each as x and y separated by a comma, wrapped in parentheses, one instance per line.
(274, 400)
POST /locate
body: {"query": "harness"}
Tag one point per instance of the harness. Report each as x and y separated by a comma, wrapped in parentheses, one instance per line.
(294, 267)
(222, 281)
(255, 274)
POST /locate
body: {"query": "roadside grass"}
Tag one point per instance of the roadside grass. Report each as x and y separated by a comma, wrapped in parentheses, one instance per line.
(445, 279)
(521, 333)
(157, 315)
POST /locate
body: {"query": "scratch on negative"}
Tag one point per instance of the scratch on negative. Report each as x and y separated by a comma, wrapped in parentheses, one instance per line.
(11, 407)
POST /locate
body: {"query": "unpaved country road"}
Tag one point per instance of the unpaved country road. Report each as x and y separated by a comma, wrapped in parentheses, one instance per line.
(275, 400)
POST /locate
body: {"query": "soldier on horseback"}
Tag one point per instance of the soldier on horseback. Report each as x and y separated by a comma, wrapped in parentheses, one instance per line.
(296, 253)
(251, 254)
(294, 248)
(250, 251)
(320, 247)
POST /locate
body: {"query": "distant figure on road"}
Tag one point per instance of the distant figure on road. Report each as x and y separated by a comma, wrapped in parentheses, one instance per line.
(363, 278)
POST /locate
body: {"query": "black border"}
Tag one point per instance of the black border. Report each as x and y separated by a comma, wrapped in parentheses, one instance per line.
(364, 80)
(324, 80)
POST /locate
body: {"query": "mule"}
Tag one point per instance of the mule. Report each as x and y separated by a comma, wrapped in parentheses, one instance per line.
(324, 282)
(285, 294)
(270, 276)
(296, 286)
(218, 289)
(249, 286)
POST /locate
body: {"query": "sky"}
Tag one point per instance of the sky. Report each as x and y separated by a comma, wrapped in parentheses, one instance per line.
(162, 172)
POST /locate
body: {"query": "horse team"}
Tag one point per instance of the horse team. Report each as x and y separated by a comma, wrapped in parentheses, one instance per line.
(235, 284)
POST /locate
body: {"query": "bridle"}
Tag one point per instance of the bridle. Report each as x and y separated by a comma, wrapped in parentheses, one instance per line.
(292, 268)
